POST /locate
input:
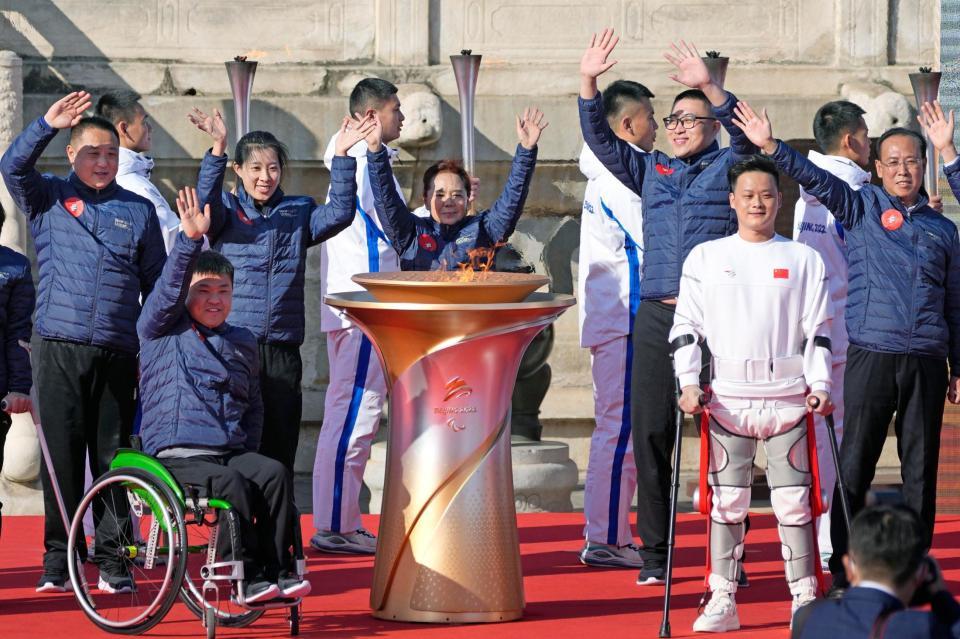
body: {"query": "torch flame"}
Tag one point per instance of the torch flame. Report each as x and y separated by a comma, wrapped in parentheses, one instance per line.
(479, 263)
(252, 53)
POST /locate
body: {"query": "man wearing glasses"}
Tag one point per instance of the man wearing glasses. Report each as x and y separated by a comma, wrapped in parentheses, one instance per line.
(686, 203)
(903, 309)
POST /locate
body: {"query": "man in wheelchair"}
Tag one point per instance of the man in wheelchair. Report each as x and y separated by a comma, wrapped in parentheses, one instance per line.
(202, 409)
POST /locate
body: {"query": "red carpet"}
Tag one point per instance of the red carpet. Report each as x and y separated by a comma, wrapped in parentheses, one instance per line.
(564, 598)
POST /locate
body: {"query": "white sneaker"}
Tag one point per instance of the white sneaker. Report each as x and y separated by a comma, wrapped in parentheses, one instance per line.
(358, 542)
(606, 556)
(719, 615)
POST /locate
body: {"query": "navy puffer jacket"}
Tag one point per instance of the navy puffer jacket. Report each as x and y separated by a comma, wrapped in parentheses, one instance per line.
(903, 264)
(16, 307)
(98, 252)
(685, 201)
(424, 244)
(200, 387)
(268, 245)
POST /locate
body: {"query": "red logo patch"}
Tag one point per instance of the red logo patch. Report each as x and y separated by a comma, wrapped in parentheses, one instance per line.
(74, 206)
(781, 273)
(426, 242)
(664, 170)
(891, 219)
(243, 217)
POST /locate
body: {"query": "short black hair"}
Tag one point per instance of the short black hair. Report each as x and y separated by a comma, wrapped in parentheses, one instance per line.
(256, 140)
(119, 105)
(834, 120)
(887, 541)
(752, 163)
(370, 93)
(899, 130)
(212, 263)
(621, 93)
(93, 122)
(692, 94)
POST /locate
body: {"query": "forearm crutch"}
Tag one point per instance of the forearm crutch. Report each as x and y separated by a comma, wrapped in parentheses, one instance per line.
(835, 453)
(674, 497)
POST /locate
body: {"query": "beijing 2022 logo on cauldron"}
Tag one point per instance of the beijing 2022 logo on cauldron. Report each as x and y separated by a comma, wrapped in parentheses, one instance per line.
(456, 388)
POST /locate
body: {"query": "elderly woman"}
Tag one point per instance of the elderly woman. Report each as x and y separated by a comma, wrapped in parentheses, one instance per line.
(448, 236)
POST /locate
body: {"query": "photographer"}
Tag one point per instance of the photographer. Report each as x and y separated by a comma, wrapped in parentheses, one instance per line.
(889, 571)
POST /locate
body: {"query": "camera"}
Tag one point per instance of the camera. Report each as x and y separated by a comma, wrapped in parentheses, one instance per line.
(921, 596)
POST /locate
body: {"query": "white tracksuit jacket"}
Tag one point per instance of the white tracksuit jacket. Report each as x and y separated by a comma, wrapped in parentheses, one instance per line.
(133, 174)
(611, 248)
(360, 248)
(816, 227)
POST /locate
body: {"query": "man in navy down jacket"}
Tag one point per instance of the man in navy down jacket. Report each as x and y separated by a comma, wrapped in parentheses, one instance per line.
(685, 203)
(193, 360)
(99, 251)
(903, 309)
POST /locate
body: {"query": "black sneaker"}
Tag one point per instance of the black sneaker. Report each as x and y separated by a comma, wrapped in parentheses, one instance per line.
(293, 587)
(114, 584)
(742, 580)
(651, 575)
(256, 591)
(53, 582)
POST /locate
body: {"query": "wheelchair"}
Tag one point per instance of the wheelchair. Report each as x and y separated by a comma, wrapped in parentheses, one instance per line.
(172, 542)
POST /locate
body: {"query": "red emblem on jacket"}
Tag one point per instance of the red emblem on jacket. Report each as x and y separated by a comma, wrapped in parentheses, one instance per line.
(426, 242)
(781, 274)
(664, 170)
(243, 217)
(74, 206)
(891, 219)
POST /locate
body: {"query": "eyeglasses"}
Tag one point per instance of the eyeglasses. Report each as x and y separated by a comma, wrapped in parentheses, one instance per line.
(688, 121)
(910, 163)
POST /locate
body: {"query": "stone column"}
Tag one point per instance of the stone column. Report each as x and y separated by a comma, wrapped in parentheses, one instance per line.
(14, 233)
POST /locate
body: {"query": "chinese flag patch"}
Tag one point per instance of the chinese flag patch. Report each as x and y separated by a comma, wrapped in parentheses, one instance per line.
(664, 170)
(781, 273)
(426, 242)
(243, 217)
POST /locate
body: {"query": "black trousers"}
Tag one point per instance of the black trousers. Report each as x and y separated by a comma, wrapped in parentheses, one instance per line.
(5, 423)
(281, 373)
(877, 386)
(87, 404)
(261, 492)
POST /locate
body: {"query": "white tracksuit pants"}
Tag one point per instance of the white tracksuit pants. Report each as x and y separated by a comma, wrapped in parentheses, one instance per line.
(828, 472)
(611, 472)
(351, 416)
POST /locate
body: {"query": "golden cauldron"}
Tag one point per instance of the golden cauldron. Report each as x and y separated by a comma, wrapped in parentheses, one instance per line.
(450, 348)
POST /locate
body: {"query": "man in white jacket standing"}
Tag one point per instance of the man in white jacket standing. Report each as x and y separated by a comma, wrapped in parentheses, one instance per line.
(124, 110)
(608, 289)
(356, 389)
(841, 134)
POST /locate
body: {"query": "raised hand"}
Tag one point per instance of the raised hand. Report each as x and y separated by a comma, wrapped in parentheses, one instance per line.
(192, 221)
(374, 136)
(756, 127)
(68, 110)
(939, 128)
(594, 61)
(530, 126)
(691, 70)
(212, 125)
(351, 132)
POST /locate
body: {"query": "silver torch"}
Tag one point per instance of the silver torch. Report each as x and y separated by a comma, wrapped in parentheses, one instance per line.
(926, 86)
(716, 67)
(466, 67)
(241, 72)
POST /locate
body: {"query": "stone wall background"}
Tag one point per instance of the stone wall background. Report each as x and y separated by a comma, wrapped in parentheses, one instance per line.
(788, 55)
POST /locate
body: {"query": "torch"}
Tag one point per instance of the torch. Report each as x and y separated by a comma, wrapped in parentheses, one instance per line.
(466, 67)
(716, 67)
(926, 86)
(241, 72)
